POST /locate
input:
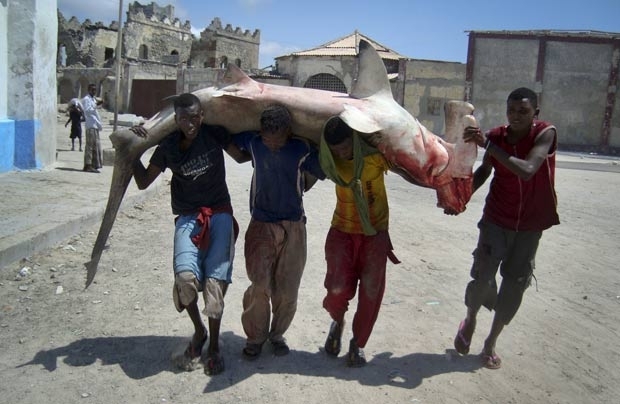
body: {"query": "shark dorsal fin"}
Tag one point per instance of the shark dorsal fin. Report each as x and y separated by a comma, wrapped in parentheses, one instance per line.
(236, 82)
(371, 74)
(234, 75)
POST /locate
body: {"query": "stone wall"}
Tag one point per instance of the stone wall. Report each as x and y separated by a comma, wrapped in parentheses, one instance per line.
(220, 45)
(574, 73)
(152, 33)
(192, 79)
(427, 85)
(142, 71)
(87, 44)
(73, 83)
(301, 69)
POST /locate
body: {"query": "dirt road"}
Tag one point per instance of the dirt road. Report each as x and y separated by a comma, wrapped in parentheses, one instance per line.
(112, 343)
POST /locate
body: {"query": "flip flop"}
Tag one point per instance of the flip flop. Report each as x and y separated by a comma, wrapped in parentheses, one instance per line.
(461, 344)
(491, 361)
(215, 364)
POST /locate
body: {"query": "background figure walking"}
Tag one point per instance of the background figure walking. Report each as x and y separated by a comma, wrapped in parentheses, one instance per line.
(93, 156)
(76, 116)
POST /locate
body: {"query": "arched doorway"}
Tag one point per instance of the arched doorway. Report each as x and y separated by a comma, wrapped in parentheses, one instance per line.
(324, 81)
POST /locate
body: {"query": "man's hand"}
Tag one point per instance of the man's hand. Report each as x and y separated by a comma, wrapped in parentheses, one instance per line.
(139, 130)
(450, 212)
(474, 134)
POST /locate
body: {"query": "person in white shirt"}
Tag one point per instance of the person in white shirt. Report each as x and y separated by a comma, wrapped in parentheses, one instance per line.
(93, 156)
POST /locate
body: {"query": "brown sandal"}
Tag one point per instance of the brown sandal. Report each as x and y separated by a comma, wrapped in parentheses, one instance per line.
(252, 351)
(333, 342)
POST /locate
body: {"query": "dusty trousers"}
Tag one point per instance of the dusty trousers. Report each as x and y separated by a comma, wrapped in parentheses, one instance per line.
(275, 256)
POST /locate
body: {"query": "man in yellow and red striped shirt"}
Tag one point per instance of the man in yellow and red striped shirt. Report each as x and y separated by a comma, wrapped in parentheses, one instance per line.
(358, 243)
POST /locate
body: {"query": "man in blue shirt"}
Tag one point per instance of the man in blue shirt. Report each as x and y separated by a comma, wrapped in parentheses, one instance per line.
(275, 241)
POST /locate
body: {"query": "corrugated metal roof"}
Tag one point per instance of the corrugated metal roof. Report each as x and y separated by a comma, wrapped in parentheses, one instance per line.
(347, 46)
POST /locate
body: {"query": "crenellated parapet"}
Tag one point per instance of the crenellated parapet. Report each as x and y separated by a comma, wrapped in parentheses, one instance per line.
(155, 14)
(73, 24)
(153, 33)
(216, 29)
(220, 45)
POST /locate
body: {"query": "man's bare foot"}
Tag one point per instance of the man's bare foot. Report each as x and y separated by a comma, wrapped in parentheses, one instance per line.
(194, 349)
(190, 358)
(215, 363)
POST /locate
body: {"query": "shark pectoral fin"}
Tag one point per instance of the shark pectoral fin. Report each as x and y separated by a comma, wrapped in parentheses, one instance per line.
(358, 120)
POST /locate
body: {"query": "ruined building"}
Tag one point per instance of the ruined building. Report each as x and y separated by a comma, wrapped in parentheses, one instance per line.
(150, 33)
(154, 44)
(219, 46)
(153, 33)
(87, 44)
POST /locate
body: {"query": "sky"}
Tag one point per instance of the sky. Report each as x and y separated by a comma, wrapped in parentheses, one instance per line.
(418, 29)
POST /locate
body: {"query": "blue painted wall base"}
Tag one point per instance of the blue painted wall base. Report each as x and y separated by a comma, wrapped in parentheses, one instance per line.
(7, 145)
(25, 144)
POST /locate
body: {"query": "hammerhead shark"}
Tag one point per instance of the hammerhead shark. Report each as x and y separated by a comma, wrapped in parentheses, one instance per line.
(237, 101)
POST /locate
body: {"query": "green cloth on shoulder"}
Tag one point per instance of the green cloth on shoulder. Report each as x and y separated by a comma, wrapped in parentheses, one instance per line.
(360, 150)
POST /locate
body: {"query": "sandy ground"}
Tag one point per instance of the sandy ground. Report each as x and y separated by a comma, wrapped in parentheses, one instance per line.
(113, 342)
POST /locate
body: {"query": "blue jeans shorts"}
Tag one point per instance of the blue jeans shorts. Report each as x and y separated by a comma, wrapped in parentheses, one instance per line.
(217, 260)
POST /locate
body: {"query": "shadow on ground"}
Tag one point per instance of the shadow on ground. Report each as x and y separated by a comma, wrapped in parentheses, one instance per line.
(144, 356)
(383, 369)
(139, 357)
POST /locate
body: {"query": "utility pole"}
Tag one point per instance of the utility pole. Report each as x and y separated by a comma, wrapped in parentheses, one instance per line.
(117, 82)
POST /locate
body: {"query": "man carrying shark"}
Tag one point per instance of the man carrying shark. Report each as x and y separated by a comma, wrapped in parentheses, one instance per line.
(358, 243)
(205, 229)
